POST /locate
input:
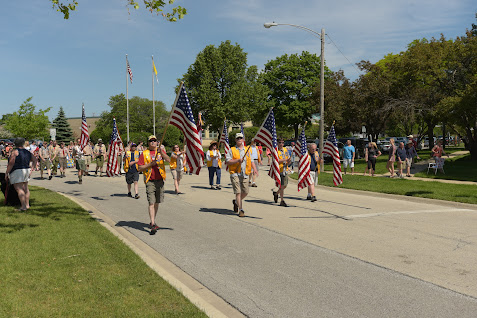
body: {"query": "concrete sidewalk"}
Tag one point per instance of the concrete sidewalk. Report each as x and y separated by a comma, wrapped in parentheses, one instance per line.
(348, 254)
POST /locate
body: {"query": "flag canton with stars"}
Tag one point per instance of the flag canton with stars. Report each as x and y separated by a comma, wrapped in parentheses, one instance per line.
(224, 134)
(303, 142)
(114, 135)
(332, 137)
(270, 126)
(183, 104)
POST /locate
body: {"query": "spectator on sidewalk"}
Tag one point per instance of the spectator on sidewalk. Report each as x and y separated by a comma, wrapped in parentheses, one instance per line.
(314, 169)
(131, 159)
(177, 166)
(392, 157)
(151, 163)
(401, 158)
(45, 160)
(371, 154)
(349, 153)
(19, 172)
(240, 166)
(283, 161)
(214, 165)
(410, 154)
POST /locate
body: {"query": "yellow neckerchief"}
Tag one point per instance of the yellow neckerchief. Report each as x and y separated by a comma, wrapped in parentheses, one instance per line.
(147, 159)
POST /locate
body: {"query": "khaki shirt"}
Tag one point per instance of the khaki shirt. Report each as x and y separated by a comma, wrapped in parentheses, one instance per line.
(44, 153)
(62, 153)
(99, 150)
(88, 151)
(53, 150)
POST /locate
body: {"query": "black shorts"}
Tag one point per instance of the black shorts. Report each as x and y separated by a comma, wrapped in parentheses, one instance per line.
(132, 177)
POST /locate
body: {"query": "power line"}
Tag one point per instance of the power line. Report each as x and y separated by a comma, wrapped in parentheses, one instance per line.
(357, 71)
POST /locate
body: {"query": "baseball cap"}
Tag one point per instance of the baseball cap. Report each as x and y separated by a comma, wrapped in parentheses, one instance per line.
(100, 140)
(133, 145)
(238, 135)
(410, 136)
(151, 137)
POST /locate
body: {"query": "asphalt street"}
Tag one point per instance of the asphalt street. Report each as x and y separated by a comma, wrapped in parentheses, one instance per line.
(350, 254)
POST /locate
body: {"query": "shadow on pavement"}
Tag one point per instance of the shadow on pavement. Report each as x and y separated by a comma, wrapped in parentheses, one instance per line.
(226, 212)
(119, 195)
(98, 198)
(134, 225)
(71, 182)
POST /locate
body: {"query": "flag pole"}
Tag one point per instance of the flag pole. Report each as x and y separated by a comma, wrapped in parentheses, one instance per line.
(221, 133)
(127, 98)
(172, 109)
(153, 107)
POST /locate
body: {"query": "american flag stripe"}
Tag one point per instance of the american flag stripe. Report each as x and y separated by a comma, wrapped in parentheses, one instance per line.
(267, 136)
(304, 176)
(182, 118)
(297, 148)
(129, 70)
(113, 166)
(84, 131)
(224, 139)
(331, 148)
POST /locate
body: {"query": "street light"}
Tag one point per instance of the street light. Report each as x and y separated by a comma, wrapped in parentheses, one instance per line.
(322, 76)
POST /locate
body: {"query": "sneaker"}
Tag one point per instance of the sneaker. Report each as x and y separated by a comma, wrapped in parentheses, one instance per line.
(313, 199)
(129, 195)
(235, 206)
(212, 188)
(50, 177)
(136, 196)
(241, 214)
(308, 197)
(218, 187)
(283, 204)
(275, 196)
(80, 182)
(154, 229)
(254, 185)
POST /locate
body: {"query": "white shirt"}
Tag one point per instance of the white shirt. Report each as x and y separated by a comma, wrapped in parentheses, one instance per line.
(215, 162)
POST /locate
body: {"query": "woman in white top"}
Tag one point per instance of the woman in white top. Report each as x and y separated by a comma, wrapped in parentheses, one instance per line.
(214, 164)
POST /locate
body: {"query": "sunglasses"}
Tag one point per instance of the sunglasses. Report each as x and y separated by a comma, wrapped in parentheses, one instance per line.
(152, 140)
(239, 138)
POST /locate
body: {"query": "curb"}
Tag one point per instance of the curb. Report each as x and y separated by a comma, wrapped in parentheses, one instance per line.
(211, 304)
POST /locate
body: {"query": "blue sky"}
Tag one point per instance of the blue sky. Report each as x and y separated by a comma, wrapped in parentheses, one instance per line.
(82, 60)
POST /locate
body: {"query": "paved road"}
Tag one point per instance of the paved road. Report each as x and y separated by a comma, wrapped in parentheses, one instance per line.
(349, 254)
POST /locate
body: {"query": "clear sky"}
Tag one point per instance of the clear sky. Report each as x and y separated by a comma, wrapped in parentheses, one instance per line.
(82, 60)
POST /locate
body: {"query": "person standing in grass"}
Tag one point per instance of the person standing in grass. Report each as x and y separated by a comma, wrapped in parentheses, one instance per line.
(401, 158)
(410, 154)
(151, 163)
(371, 154)
(392, 157)
(349, 153)
(45, 160)
(131, 159)
(19, 172)
(177, 166)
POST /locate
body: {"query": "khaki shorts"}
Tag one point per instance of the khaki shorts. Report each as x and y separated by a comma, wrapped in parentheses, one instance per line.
(177, 174)
(239, 184)
(19, 176)
(62, 162)
(155, 191)
(283, 180)
(44, 164)
(408, 162)
(87, 160)
(400, 164)
(80, 164)
(100, 161)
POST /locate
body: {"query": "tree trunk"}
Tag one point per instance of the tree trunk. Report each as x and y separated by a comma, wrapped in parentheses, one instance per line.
(296, 131)
(473, 150)
(430, 134)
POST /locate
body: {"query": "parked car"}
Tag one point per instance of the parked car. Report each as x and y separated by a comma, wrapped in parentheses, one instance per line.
(383, 146)
(7, 142)
(397, 140)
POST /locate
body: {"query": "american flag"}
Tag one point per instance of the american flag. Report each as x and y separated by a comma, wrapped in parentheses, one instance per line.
(183, 119)
(113, 166)
(129, 70)
(304, 177)
(331, 148)
(84, 131)
(224, 139)
(267, 136)
(297, 148)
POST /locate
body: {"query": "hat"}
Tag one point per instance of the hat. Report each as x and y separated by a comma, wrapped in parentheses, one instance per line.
(238, 135)
(100, 140)
(151, 137)
(133, 145)
(213, 142)
(410, 136)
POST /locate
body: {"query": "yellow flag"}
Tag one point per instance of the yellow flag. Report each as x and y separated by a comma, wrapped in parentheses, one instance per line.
(155, 71)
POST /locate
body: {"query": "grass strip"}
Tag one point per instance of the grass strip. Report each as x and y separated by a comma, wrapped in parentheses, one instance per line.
(58, 261)
(457, 168)
(415, 188)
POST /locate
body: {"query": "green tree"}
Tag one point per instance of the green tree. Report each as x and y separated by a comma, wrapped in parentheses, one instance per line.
(140, 118)
(153, 6)
(291, 80)
(63, 129)
(28, 123)
(220, 84)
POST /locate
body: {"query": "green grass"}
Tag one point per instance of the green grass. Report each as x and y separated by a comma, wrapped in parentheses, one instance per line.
(414, 188)
(458, 168)
(57, 261)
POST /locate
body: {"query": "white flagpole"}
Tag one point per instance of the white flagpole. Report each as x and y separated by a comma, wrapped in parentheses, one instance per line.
(153, 107)
(127, 98)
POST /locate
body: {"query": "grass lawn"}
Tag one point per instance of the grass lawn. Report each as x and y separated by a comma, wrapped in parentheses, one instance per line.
(57, 261)
(415, 188)
(458, 168)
